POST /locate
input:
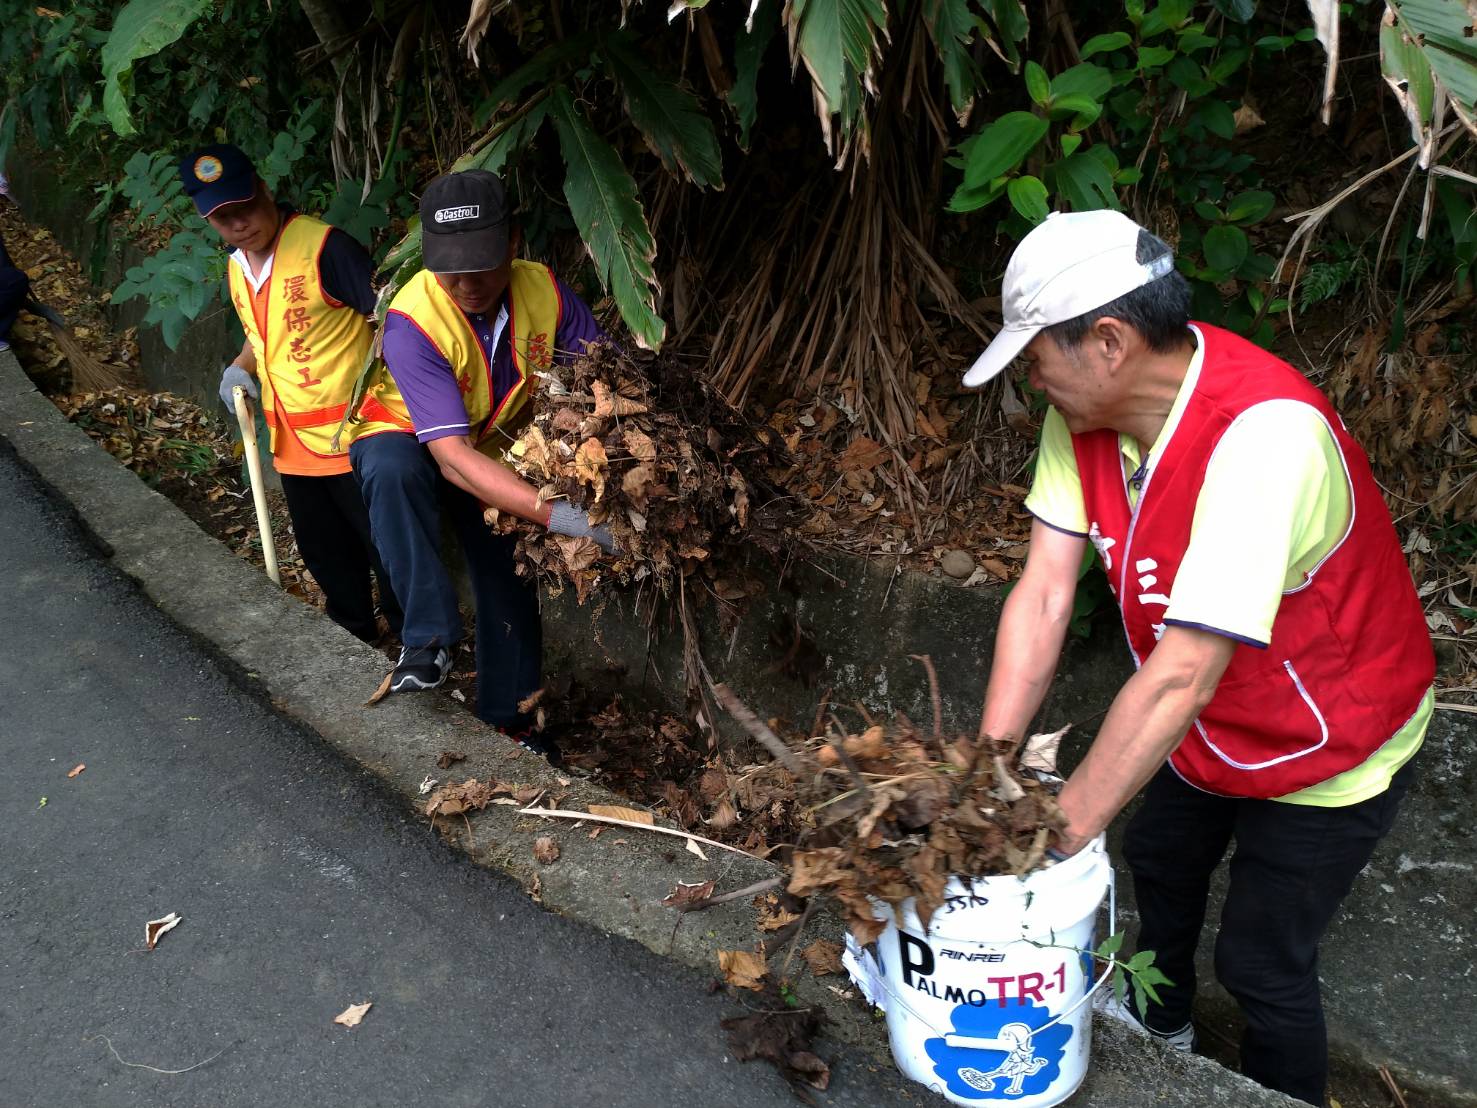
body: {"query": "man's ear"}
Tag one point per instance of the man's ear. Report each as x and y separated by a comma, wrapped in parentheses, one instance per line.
(1113, 337)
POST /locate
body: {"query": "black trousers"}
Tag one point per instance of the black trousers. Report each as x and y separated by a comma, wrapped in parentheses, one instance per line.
(408, 498)
(1292, 867)
(14, 287)
(332, 530)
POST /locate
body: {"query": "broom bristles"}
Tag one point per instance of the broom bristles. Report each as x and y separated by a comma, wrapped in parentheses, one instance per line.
(88, 374)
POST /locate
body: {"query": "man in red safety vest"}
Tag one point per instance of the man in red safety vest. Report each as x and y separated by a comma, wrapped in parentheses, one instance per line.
(1284, 670)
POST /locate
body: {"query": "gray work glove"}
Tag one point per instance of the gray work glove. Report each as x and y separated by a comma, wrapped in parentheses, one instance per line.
(233, 376)
(566, 519)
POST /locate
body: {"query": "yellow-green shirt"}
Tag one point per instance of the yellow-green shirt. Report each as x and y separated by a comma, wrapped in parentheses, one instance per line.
(1274, 503)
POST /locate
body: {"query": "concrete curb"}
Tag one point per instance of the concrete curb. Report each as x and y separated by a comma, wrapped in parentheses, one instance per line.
(318, 675)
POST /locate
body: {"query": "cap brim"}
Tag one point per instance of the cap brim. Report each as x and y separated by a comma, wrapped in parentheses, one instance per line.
(221, 193)
(466, 252)
(1003, 349)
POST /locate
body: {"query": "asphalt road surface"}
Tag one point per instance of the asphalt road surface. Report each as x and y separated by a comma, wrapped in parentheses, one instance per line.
(302, 889)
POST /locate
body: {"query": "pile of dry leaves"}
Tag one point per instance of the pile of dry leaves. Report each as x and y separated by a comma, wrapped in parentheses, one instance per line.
(644, 445)
(903, 811)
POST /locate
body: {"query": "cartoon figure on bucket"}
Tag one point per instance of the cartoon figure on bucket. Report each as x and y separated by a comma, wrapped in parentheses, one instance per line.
(1020, 1062)
(1000, 1050)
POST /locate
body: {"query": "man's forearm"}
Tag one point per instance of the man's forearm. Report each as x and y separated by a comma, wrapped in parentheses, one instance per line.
(1028, 643)
(1149, 718)
(247, 358)
(491, 483)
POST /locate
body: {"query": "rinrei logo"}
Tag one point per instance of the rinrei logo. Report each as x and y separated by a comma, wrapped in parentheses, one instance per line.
(451, 215)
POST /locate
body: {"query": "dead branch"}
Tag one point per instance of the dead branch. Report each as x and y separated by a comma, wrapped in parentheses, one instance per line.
(756, 727)
(933, 694)
(737, 894)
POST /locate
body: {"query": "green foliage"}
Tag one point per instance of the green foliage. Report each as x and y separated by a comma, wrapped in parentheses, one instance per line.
(667, 115)
(748, 53)
(603, 200)
(177, 281)
(141, 29)
(1138, 973)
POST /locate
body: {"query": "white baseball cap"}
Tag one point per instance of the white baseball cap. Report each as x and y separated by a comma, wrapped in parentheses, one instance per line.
(1068, 265)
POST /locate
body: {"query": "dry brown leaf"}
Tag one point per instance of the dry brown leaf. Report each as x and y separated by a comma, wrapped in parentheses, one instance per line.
(156, 928)
(823, 957)
(75, 770)
(743, 969)
(608, 403)
(639, 444)
(590, 465)
(1040, 751)
(380, 693)
(630, 815)
(772, 916)
(449, 758)
(353, 1014)
(684, 893)
(545, 850)
(724, 815)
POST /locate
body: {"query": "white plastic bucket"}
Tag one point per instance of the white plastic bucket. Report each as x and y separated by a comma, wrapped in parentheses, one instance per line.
(992, 1004)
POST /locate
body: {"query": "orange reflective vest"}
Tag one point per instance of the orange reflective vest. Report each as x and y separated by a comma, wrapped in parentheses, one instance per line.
(313, 348)
(534, 310)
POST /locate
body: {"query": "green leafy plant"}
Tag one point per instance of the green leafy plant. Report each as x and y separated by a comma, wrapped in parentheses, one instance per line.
(1138, 974)
(178, 282)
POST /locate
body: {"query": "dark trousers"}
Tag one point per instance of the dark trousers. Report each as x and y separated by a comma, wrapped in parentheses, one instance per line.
(332, 530)
(14, 286)
(1292, 867)
(407, 499)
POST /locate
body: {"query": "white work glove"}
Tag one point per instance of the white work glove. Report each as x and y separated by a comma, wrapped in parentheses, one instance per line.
(566, 519)
(234, 375)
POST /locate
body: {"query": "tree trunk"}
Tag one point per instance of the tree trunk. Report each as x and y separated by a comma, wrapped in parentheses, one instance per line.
(332, 30)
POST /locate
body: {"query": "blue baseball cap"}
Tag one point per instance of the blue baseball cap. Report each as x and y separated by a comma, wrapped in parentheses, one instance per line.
(214, 176)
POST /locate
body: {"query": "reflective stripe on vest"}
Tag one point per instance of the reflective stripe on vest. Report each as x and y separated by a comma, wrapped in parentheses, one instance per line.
(534, 312)
(1350, 657)
(313, 348)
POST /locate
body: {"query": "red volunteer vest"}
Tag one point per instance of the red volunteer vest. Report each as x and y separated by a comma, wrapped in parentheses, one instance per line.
(1350, 656)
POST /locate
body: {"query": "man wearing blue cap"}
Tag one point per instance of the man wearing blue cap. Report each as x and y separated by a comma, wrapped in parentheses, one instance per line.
(302, 291)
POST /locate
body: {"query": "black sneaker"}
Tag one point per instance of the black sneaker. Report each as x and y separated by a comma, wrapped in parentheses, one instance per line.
(420, 667)
(540, 743)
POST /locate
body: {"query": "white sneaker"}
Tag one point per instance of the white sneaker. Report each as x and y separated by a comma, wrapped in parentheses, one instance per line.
(1124, 1011)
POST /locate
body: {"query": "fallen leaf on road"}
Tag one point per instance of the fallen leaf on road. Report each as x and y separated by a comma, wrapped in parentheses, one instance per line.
(450, 758)
(157, 927)
(379, 693)
(546, 850)
(351, 1015)
(823, 957)
(693, 848)
(536, 890)
(76, 770)
(630, 815)
(782, 1036)
(427, 785)
(683, 893)
(43, 803)
(743, 968)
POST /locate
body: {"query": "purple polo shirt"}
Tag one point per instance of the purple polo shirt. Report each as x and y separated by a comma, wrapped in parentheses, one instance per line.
(429, 385)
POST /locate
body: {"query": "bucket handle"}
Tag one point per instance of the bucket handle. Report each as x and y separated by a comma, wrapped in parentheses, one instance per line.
(1088, 995)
